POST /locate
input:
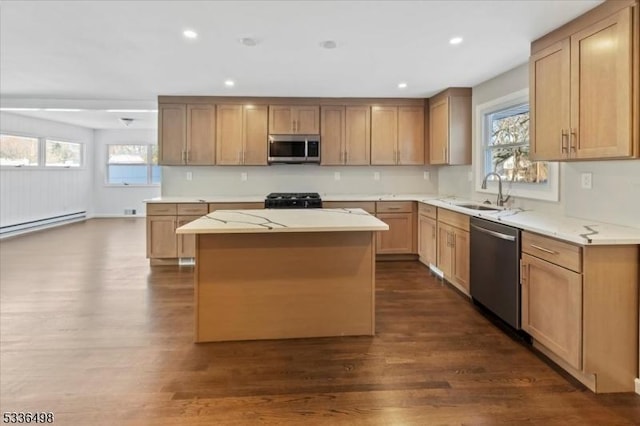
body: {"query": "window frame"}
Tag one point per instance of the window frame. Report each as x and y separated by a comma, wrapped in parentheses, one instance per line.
(549, 191)
(149, 165)
(42, 148)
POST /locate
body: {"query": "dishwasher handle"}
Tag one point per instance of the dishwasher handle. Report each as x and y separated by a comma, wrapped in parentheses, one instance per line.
(494, 233)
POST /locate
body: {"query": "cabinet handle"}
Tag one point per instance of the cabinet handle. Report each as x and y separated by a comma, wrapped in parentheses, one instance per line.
(523, 273)
(453, 240)
(183, 156)
(543, 249)
(186, 154)
(563, 141)
(346, 157)
(574, 139)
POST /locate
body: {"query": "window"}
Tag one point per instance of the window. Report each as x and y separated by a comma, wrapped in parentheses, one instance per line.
(503, 148)
(63, 154)
(133, 165)
(19, 151)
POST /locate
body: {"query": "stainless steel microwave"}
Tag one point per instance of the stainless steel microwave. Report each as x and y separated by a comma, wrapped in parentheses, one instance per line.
(294, 149)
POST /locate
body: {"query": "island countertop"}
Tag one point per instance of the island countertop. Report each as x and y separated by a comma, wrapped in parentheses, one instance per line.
(283, 220)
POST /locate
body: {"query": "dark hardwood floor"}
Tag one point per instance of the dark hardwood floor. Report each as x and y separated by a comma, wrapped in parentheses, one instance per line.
(90, 332)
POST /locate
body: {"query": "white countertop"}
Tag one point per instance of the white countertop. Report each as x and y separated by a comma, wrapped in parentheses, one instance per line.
(261, 197)
(283, 220)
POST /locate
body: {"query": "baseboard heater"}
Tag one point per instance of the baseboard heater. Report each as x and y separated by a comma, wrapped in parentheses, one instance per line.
(40, 223)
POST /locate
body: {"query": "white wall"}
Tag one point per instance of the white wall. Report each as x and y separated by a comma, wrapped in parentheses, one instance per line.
(113, 200)
(28, 195)
(615, 197)
(223, 180)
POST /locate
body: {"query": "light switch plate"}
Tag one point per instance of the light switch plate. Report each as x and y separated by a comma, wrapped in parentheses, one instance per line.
(426, 176)
(376, 175)
(243, 177)
(189, 175)
(336, 175)
(585, 180)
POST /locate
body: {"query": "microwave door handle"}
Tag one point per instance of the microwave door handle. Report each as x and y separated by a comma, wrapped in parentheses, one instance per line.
(306, 149)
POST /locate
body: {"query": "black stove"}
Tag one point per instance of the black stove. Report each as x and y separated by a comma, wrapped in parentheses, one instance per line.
(293, 200)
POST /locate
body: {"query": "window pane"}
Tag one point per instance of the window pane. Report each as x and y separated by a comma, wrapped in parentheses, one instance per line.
(155, 174)
(510, 126)
(129, 174)
(513, 164)
(18, 151)
(127, 154)
(154, 154)
(63, 154)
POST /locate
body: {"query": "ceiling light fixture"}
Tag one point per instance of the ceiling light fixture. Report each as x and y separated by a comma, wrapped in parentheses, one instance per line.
(402, 85)
(455, 40)
(248, 41)
(126, 121)
(63, 109)
(190, 34)
(329, 44)
(229, 83)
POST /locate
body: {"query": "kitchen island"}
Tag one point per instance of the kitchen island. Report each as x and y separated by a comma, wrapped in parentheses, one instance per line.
(284, 273)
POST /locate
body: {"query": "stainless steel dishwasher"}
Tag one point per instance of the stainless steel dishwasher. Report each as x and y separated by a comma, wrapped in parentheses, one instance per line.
(495, 269)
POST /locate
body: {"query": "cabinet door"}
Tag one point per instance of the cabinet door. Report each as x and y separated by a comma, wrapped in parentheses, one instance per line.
(549, 102)
(201, 131)
(307, 120)
(161, 237)
(172, 134)
(439, 132)
(461, 258)
(280, 120)
(358, 135)
(410, 135)
(601, 89)
(229, 130)
(398, 239)
(384, 135)
(445, 250)
(332, 135)
(552, 307)
(255, 135)
(186, 243)
(427, 248)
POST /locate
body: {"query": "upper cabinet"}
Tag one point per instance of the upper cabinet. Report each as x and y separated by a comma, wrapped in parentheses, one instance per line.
(241, 132)
(345, 132)
(186, 134)
(584, 101)
(294, 120)
(397, 135)
(450, 127)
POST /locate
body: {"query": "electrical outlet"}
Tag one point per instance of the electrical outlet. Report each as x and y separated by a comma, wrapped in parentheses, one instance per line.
(426, 176)
(470, 176)
(336, 175)
(376, 175)
(243, 176)
(585, 180)
(189, 175)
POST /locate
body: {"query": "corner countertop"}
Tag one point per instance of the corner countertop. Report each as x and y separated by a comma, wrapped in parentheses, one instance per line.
(571, 229)
(283, 220)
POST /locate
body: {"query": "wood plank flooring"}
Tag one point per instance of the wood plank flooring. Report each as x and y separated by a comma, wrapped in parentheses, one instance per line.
(92, 333)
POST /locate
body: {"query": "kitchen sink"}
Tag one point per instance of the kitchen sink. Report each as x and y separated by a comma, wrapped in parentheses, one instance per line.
(479, 207)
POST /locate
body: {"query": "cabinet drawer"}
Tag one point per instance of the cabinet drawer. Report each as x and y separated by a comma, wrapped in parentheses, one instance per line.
(368, 206)
(427, 210)
(193, 209)
(395, 206)
(563, 254)
(235, 206)
(160, 209)
(456, 219)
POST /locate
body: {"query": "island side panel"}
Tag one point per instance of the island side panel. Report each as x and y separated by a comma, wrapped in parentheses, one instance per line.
(284, 285)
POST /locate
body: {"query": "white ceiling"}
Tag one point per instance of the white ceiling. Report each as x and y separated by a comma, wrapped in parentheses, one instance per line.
(67, 52)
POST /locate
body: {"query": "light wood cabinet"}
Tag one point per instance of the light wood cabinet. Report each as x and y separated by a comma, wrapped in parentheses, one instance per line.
(427, 240)
(241, 132)
(162, 220)
(580, 306)
(397, 135)
(584, 90)
(450, 127)
(186, 134)
(294, 120)
(453, 248)
(401, 218)
(345, 132)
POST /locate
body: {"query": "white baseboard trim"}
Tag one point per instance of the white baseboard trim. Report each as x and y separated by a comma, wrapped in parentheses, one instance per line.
(638, 386)
(42, 227)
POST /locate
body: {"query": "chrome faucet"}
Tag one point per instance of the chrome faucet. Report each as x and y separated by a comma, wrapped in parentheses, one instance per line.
(501, 200)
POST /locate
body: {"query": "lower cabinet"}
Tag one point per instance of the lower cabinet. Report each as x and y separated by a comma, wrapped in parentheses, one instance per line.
(401, 218)
(453, 248)
(427, 239)
(161, 237)
(162, 220)
(580, 306)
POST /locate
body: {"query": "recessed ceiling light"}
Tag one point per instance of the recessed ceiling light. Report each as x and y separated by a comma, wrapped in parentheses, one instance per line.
(190, 34)
(63, 109)
(248, 41)
(229, 83)
(402, 85)
(456, 40)
(329, 44)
